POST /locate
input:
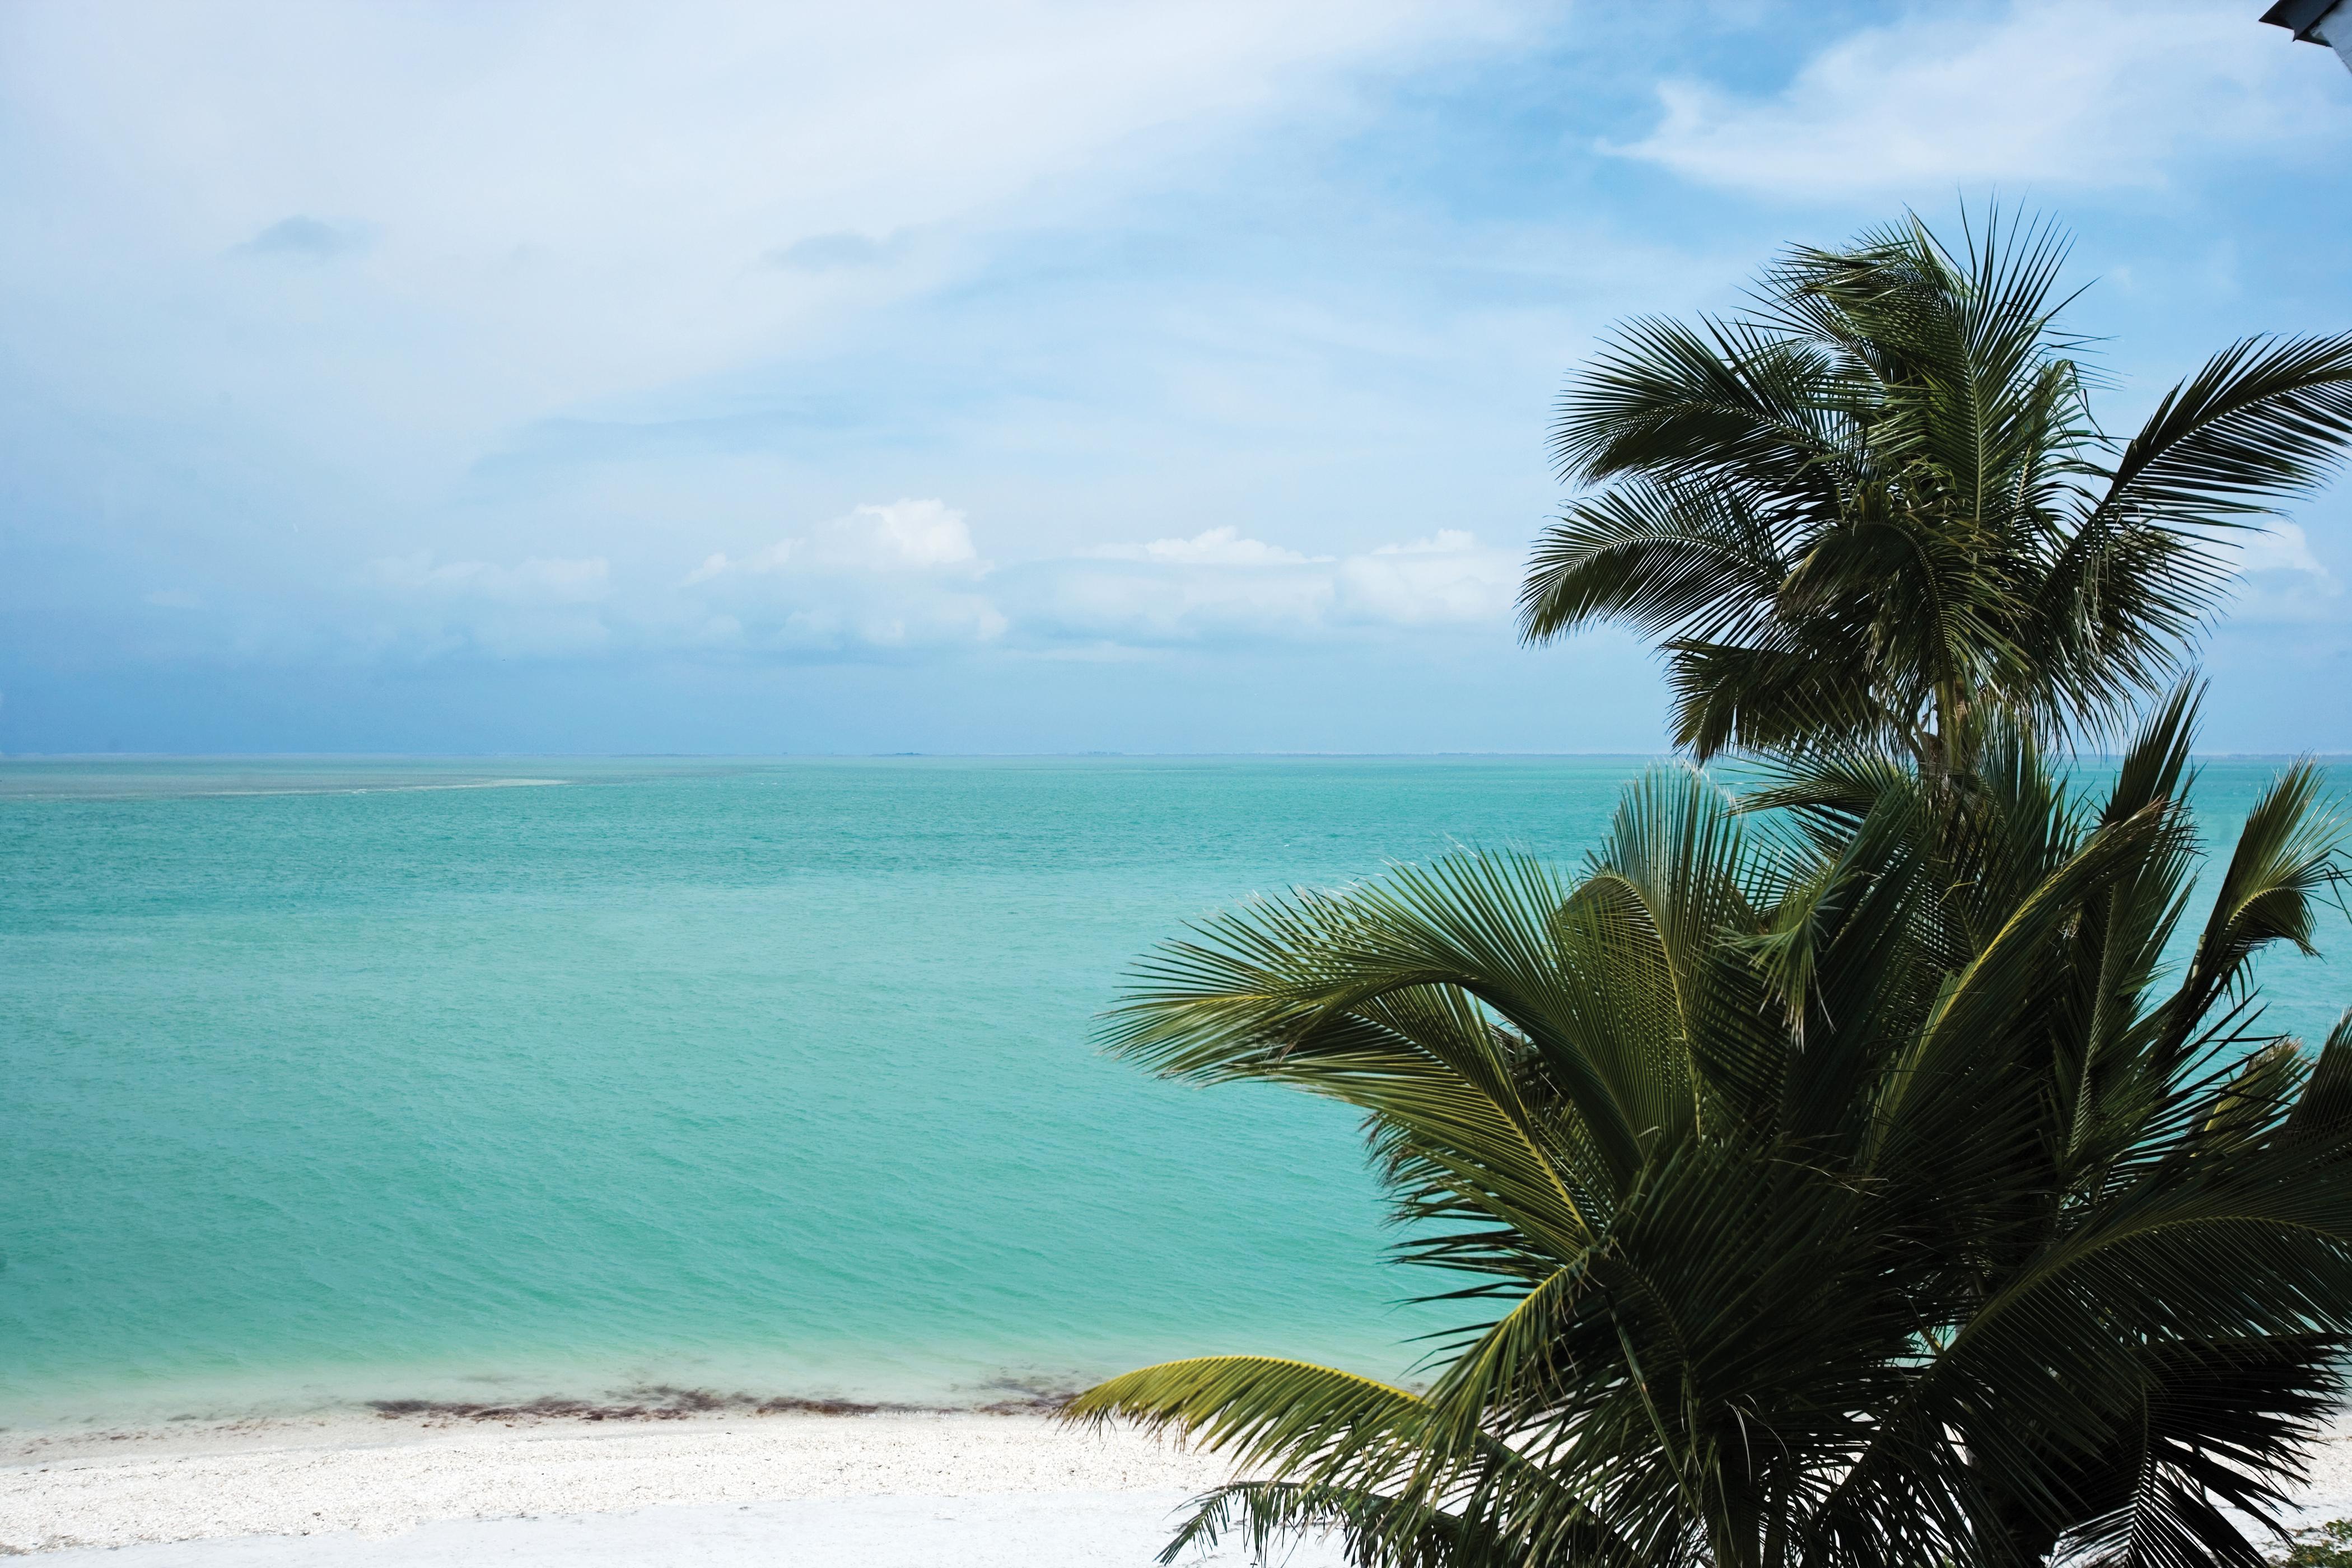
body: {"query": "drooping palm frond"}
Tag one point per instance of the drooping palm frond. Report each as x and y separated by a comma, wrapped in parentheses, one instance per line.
(1838, 1176)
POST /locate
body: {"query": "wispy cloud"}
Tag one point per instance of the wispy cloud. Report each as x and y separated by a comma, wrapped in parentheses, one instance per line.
(906, 576)
(904, 536)
(1221, 587)
(2280, 580)
(308, 238)
(888, 578)
(532, 582)
(836, 252)
(476, 334)
(585, 211)
(2056, 94)
(536, 608)
(1212, 547)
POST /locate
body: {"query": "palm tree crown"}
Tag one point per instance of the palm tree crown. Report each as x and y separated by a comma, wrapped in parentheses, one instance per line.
(1855, 1192)
(1878, 500)
(1845, 1176)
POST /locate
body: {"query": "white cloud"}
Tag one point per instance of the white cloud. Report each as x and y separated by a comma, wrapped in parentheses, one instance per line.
(1159, 603)
(1213, 547)
(896, 576)
(537, 581)
(879, 579)
(2279, 547)
(1445, 580)
(907, 578)
(904, 536)
(2055, 93)
(1220, 586)
(717, 564)
(2280, 580)
(581, 202)
(907, 536)
(308, 238)
(539, 608)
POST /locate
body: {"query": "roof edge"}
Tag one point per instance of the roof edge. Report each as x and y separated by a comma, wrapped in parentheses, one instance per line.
(2299, 16)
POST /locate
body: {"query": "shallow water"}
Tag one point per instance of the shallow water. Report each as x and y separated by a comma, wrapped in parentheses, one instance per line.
(334, 1079)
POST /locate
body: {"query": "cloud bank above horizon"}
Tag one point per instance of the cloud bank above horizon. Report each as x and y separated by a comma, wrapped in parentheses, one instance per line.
(1004, 375)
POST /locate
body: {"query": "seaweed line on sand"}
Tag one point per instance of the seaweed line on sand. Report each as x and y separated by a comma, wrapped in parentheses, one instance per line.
(665, 1404)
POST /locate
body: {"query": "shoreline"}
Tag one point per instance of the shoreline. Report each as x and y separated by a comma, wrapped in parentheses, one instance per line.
(374, 1422)
(580, 1394)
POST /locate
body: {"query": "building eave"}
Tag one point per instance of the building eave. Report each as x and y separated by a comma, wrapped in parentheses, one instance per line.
(2299, 16)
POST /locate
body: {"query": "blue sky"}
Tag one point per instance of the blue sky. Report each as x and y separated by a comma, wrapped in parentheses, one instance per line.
(1002, 377)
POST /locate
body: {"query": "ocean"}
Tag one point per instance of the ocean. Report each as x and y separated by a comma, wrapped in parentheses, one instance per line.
(330, 1080)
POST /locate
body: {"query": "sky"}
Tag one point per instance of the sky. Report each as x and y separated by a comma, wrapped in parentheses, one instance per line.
(1004, 375)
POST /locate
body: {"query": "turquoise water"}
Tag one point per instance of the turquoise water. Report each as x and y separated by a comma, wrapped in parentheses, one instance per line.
(336, 1080)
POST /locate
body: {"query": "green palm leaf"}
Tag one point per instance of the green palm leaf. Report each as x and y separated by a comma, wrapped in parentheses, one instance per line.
(1832, 1177)
(1879, 500)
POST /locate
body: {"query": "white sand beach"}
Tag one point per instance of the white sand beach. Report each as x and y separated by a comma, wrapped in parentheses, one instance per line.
(870, 1490)
(891, 1489)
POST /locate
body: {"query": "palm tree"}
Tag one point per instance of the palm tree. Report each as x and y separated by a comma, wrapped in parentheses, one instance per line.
(1878, 500)
(1848, 1183)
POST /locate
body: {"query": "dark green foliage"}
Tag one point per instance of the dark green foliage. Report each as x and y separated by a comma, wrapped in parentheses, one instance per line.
(1879, 499)
(1846, 1183)
(1839, 1177)
(2329, 1546)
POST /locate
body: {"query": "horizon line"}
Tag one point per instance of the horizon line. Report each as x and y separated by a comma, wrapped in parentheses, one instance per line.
(1669, 755)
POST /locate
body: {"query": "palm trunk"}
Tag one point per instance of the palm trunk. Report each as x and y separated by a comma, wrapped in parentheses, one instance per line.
(1946, 751)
